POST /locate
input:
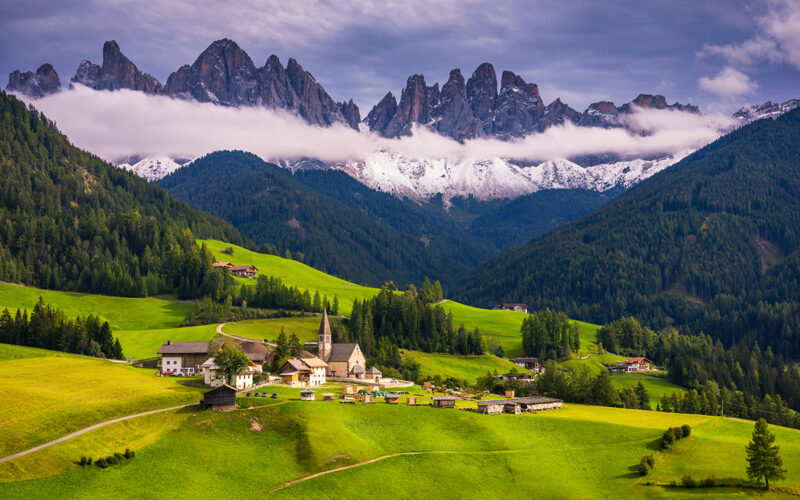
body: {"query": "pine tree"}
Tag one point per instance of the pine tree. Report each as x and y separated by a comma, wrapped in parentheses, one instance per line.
(763, 459)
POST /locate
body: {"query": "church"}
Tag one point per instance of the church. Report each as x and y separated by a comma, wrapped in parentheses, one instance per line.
(344, 360)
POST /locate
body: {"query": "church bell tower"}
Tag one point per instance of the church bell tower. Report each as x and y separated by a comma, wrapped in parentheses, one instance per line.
(324, 338)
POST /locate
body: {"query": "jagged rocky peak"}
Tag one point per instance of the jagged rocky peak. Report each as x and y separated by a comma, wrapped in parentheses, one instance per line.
(558, 113)
(518, 108)
(452, 115)
(276, 93)
(118, 72)
(649, 101)
(44, 82)
(381, 114)
(768, 109)
(87, 74)
(413, 108)
(600, 114)
(314, 103)
(223, 74)
(350, 113)
(482, 94)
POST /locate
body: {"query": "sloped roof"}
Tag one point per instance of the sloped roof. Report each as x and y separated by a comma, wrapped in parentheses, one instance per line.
(342, 352)
(315, 362)
(170, 347)
(324, 325)
(631, 361)
(374, 371)
(358, 369)
(244, 268)
(296, 364)
(255, 351)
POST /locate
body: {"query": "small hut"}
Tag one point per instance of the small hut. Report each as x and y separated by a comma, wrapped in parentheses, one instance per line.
(509, 394)
(327, 397)
(411, 401)
(223, 398)
(392, 399)
(307, 395)
(444, 401)
(367, 398)
(374, 374)
(349, 389)
(374, 388)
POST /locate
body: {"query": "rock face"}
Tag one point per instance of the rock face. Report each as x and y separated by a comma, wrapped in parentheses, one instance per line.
(767, 110)
(117, 72)
(44, 82)
(224, 74)
(477, 109)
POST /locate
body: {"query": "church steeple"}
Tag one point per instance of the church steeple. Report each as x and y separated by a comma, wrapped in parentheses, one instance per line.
(324, 338)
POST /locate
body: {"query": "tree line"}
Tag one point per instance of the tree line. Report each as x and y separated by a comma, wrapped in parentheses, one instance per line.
(549, 335)
(48, 328)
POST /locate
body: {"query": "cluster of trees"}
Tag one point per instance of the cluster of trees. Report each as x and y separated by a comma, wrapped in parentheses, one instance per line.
(674, 434)
(694, 360)
(578, 386)
(49, 328)
(285, 348)
(635, 397)
(689, 248)
(549, 335)
(711, 400)
(71, 221)
(270, 293)
(407, 320)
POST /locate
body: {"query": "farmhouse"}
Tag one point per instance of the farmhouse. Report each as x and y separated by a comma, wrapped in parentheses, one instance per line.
(256, 352)
(523, 308)
(444, 401)
(223, 398)
(243, 380)
(303, 372)
(244, 271)
(633, 365)
(344, 360)
(518, 405)
(222, 265)
(183, 358)
(531, 364)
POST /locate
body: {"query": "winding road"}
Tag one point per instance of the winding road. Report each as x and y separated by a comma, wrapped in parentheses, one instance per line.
(87, 429)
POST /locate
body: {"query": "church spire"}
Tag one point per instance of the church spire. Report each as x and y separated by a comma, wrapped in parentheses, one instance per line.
(324, 338)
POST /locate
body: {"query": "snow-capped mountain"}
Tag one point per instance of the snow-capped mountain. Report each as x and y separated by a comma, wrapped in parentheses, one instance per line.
(767, 110)
(494, 178)
(154, 169)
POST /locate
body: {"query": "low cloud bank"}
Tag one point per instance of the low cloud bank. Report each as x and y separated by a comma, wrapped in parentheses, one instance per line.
(121, 124)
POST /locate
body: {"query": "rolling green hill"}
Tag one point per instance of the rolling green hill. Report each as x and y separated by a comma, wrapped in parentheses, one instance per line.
(711, 244)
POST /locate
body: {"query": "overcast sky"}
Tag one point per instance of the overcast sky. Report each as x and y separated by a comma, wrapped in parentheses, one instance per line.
(718, 54)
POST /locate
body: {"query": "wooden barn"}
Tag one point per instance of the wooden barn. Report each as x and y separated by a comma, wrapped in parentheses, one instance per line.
(518, 405)
(392, 399)
(223, 398)
(444, 401)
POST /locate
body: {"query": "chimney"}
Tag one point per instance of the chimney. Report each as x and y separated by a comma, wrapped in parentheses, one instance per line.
(169, 342)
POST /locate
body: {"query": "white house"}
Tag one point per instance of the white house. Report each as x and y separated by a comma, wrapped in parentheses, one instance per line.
(243, 381)
(304, 372)
(182, 358)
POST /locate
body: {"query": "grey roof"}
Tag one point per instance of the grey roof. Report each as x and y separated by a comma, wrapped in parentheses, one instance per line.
(255, 351)
(341, 352)
(324, 325)
(374, 371)
(525, 360)
(358, 369)
(170, 347)
(444, 398)
(526, 401)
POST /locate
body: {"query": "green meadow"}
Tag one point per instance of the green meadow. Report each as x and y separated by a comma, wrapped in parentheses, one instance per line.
(306, 328)
(462, 367)
(656, 385)
(576, 452)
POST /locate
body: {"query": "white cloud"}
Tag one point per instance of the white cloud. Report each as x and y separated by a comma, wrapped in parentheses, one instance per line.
(121, 124)
(776, 39)
(728, 83)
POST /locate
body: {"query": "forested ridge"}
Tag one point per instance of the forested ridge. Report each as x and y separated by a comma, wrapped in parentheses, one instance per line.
(710, 245)
(70, 221)
(267, 204)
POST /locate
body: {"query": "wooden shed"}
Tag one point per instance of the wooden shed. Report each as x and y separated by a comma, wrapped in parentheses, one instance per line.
(349, 389)
(223, 398)
(444, 401)
(307, 395)
(392, 399)
(518, 405)
(411, 401)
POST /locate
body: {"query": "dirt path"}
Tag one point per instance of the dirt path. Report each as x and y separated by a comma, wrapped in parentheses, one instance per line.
(338, 469)
(87, 429)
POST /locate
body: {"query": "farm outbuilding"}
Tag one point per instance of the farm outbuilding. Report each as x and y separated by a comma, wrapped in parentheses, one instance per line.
(518, 405)
(444, 401)
(307, 395)
(223, 398)
(392, 399)
(411, 401)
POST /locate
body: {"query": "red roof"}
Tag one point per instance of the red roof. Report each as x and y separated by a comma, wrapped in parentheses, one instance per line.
(636, 361)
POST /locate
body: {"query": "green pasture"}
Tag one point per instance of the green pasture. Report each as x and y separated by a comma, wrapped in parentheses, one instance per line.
(462, 367)
(306, 328)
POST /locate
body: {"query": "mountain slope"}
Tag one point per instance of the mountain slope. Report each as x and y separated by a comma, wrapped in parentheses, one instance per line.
(69, 220)
(268, 205)
(711, 244)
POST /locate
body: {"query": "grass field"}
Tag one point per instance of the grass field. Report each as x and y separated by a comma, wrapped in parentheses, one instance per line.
(501, 325)
(462, 367)
(656, 385)
(42, 398)
(141, 344)
(305, 328)
(593, 363)
(577, 452)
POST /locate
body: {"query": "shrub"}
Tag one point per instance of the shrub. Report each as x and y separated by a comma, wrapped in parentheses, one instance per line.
(111, 460)
(651, 461)
(707, 482)
(101, 462)
(119, 456)
(89, 461)
(128, 453)
(644, 467)
(688, 482)
(686, 430)
(82, 462)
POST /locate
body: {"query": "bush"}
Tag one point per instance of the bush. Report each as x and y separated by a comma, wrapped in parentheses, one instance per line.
(686, 430)
(119, 456)
(82, 462)
(128, 453)
(101, 462)
(707, 482)
(688, 482)
(651, 461)
(89, 461)
(111, 460)
(644, 467)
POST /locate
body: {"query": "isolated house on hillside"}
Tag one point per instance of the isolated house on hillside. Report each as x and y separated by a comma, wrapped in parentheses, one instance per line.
(634, 365)
(183, 358)
(531, 364)
(523, 308)
(244, 271)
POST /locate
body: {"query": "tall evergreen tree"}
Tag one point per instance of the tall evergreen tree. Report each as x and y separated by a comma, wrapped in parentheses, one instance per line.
(763, 456)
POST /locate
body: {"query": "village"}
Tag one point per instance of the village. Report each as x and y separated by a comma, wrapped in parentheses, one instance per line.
(336, 371)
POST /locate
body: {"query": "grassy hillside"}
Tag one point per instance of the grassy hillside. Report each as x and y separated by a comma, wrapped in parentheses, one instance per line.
(462, 367)
(306, 328)
(501, 325)
(656, 386)
(464, 455)
(45, 397)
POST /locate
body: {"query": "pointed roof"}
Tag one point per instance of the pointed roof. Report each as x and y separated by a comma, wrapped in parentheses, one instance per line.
(324, 326)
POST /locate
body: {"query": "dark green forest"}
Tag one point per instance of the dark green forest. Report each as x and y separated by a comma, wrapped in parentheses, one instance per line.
(710, 245)
(70, 221)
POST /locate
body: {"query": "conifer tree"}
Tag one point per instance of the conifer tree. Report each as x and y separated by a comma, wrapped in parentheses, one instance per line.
(763, 458)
